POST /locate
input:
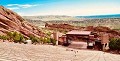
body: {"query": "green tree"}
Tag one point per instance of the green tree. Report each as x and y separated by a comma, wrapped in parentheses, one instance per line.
(114, 44)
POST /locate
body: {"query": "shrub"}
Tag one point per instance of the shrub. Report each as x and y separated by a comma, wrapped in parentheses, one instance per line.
(48, 40)
(53, 41)
(45, 40)
(34, 39)
(16, 37)
(4, 37)
(114, 44)
(48, 34)
(118, 44)
(10, 34)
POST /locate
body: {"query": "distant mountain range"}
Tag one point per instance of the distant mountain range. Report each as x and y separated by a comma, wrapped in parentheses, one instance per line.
(111, 21)
(69, 18)
(51, 18)
(100, 16)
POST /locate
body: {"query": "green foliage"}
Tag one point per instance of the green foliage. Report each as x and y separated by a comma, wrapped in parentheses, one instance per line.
(47, 40)
(44, 40)
(53, 41)
(4, 37)
(10, 34)
(48, 33)
(41, 40)
(114, 44)
(34, 39)
(118, 44)
(16, 37)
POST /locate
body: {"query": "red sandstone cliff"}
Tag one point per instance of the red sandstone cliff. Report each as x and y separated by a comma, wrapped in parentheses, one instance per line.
(11, 21)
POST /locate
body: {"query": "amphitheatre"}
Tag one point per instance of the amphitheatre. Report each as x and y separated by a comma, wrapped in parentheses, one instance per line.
(57, 37)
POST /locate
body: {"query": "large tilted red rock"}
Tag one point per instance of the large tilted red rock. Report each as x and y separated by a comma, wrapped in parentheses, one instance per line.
(11, 21)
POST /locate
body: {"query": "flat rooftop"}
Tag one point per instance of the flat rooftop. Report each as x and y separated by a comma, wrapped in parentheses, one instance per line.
(76, 32)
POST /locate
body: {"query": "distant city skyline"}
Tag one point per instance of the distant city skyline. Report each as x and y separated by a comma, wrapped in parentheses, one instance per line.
(63, 7)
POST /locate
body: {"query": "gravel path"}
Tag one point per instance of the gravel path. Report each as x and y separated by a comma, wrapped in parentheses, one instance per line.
(23, 52)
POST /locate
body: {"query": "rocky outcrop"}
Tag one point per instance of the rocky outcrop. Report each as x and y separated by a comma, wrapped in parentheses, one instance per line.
(11, 21)
(67, 27)
(62, 26)
(113, 33)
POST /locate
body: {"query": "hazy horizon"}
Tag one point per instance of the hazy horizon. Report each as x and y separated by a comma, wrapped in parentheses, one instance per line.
(63, 7)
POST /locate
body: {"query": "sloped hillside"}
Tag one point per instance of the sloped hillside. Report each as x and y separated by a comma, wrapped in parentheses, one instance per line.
(11, 21)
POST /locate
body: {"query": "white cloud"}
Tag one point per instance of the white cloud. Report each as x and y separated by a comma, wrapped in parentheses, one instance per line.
(12, 5)
(26, 5)
(13, 8)
(69, 10)
(18, 6)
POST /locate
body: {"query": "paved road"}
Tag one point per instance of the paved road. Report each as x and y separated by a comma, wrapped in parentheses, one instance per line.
(22, 52)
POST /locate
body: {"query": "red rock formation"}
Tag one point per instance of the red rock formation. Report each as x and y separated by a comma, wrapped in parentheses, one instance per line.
(90, 28)
(61, 26)
(11, 21)
(102, 29)
(67, 27)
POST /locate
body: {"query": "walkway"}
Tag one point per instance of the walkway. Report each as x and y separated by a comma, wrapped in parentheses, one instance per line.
(23, 52)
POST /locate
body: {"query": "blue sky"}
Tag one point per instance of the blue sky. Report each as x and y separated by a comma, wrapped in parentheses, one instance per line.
(63, 7)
